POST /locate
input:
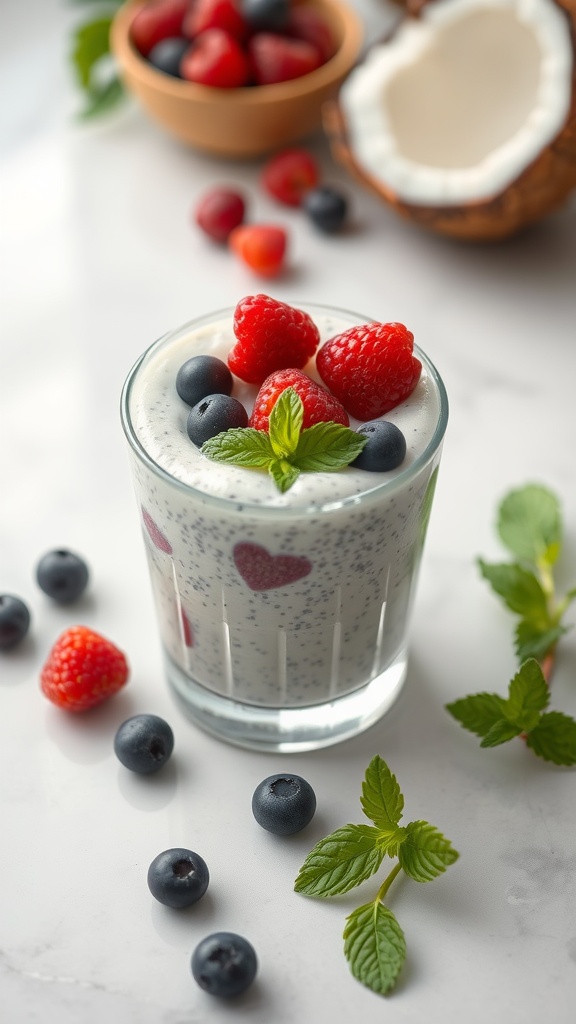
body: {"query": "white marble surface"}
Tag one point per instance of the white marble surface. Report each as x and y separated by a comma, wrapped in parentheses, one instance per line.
(98, 258)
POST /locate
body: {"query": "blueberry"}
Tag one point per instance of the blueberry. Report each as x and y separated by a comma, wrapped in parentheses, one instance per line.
(14, 621)
(212, 415)
(266, 15)
(326, 207)
(283, 804)
(178, 878)
(224, 964)
(62, 575)
(167, 54)
(144, 743)
(385, 448)
(202, 376)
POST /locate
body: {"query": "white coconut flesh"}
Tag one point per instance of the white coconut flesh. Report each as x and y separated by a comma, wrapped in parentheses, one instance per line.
(459, 101)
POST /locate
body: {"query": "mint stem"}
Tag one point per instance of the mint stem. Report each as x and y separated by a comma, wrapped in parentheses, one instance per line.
(379, 898)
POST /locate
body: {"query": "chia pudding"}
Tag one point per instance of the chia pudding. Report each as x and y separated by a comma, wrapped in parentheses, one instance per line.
(271, 601)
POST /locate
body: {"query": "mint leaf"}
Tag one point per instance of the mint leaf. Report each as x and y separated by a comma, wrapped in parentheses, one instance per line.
(528, 695)
(341, 861)
(283, 473)
(285, 423)
(554, 738)
(425, 852)
(381, 799)
(519, 588)
(325, 447)
(102, 99)
(374, 946)
(531, 641)
(91, 43)
(501, 732)
(479, 712)
(530, 525)
(240, 446)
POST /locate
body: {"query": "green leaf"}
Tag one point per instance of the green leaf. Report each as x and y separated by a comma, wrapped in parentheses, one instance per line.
(534, 642)
(528, 695)
(554, 738)
(325, 447)
(519, 588)
(425, 852)
(381, 798)
(283, 473)
(341, 861)
(374, 946)
(285, 423)
(240, 446)
(530, 524)
(501, 732)
(102, 100)
(478, 712)
(91, 44)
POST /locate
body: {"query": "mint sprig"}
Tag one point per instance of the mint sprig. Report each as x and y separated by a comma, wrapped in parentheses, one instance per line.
(374, 942)
(286, 449)
(92, 61)
(530, 526)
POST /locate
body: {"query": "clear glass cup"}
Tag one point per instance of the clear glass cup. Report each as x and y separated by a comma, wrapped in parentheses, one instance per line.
(282, 628)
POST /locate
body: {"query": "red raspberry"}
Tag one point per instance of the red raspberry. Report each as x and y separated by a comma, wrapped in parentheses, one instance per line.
(83, 669)
(289, 175)
(270, 336)
(319, 405)
(215, 58)
(157, 21)
(223, 14)
(370, 368)
(262, 247)
(219, 211)
(275, 58)
(306, 23)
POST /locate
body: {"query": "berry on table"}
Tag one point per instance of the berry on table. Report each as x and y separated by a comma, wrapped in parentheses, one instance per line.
(155, 21)
(262, 247)
(217, 59)
(212, 415)
(201, 376)
(83, 669)
(178, 878)
(284, 804)
(275, 58)
(385, 448)
(319, 405)
(270, 335)
(14, 621)
(167, 54)
(289, 175)
(219, 211)
(62, 575)
(267, 15)
(326, 207)
(224, 14)
(144, 743)
(224, 964)
(370, 368)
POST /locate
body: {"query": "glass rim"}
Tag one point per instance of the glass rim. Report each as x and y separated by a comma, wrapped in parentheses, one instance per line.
(366, 497)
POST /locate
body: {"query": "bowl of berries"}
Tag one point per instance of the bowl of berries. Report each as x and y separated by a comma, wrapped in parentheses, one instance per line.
(235, 78)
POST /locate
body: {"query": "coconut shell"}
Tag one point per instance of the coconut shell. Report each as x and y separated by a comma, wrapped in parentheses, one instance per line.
(541, 188)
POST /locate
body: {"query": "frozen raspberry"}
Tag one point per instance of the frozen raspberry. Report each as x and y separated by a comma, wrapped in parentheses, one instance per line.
(319, 405)
(215, 58)
(270, 335)
(82, 670)
(262, 247)
(370, 368)
(223, 14)
(275, 58)
(219, 211)
(289, 175)
(157, 21)
(308, 24)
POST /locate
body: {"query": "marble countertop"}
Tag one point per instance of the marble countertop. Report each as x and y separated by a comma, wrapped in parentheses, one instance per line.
(98, 258)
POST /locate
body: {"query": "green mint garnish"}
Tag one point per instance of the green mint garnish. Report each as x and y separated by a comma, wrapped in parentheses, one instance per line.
(374, 943)
(92, 61)
(287, 449)
(530, 526)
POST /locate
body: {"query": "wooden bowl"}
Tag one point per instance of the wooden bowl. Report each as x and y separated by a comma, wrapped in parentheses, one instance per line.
(247, 121)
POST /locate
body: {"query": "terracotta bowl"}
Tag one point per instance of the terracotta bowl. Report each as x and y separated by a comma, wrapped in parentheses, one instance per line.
(241, 122)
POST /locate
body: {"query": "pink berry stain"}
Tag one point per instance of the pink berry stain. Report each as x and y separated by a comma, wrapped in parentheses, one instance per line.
(263, 571)
(187, 630)
(155, 533)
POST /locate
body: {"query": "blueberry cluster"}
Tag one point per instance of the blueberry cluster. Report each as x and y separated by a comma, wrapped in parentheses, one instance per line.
(61, 574)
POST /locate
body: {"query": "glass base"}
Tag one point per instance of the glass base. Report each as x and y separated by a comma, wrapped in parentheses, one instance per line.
(288, 730)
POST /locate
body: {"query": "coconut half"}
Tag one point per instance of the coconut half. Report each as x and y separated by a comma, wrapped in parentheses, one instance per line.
(465, 118)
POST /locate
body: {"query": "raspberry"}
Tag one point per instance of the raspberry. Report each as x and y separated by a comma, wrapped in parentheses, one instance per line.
(215, 58)
(219, 211)
(319, 405)
(82, 670)
(270, 336)
(223, 14)
(306, 23)
(289, 175)
(275, 58)
(370, 368)
(157, 21)
(262, 247)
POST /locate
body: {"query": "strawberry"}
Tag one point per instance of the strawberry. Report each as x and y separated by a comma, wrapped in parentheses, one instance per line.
(157, 21)
(223, 14)
(306, 23)
(319, 405)
(82, 670)
(289, 175)
(270, 335)
(262, 247)
(370, 368)
(215, 58)
(275, 58)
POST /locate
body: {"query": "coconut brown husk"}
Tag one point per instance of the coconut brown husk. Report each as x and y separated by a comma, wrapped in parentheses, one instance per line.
(540, 189)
